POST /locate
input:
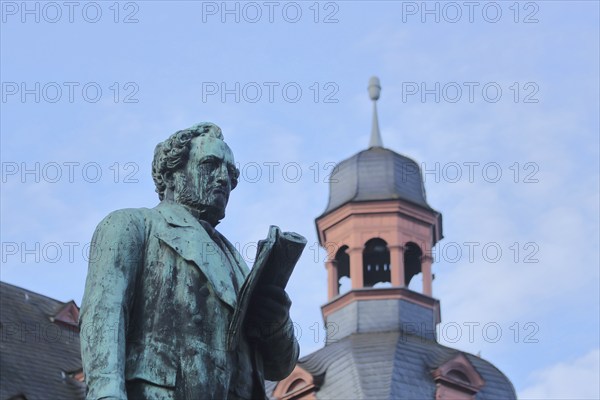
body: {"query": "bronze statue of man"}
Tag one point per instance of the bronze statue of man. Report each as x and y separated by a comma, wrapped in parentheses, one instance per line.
(163, 284)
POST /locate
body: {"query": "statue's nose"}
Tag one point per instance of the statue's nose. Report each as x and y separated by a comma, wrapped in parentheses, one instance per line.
(222, 174)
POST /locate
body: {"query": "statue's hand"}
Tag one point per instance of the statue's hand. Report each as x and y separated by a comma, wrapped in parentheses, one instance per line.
(268, 312)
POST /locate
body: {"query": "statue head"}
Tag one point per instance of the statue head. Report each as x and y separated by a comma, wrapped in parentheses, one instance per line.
(195, 167)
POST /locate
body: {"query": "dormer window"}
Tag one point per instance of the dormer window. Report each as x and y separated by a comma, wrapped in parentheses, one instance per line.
(300, 385)
(68, 315)
(457, 379)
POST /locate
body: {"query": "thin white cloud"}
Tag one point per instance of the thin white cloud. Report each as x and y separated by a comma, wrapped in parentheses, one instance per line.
(571, 379)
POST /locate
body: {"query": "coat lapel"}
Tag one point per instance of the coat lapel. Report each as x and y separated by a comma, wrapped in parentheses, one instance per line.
(185, 235)
(241, 269)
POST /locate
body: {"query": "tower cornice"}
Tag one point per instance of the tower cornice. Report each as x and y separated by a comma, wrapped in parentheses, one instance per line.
(401, 208)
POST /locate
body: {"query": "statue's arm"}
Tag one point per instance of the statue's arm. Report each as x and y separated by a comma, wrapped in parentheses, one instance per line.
(280, 351)
(116, 252)
(270, 326)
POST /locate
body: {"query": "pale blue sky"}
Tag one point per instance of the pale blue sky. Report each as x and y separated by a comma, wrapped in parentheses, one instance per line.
(541, 131)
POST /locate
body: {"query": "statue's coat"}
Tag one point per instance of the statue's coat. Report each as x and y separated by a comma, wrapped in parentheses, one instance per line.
(159, 296)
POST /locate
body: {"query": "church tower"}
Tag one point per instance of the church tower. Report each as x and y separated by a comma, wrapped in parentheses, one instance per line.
(379, 232)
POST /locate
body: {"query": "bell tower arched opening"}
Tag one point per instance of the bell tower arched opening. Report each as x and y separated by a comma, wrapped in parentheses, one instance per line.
(412, 261)
(342, 264)
(376, 262)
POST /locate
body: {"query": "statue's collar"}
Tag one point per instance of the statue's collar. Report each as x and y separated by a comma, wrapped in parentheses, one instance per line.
(176, 214)
(180, 215)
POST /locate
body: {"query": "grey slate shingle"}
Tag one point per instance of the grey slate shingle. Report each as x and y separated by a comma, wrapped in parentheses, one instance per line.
(376, 174)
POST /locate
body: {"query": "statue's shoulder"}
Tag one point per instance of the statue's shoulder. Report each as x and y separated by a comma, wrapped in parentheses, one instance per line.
(132, 213)
(138, 217)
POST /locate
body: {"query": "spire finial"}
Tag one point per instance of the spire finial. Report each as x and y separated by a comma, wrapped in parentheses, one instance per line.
(374, 92)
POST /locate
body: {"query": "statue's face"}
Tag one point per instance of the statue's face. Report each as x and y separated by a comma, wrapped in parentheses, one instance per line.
(205, 182)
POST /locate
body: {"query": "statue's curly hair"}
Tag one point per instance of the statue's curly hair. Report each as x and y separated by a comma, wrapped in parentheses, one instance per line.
(172, 154)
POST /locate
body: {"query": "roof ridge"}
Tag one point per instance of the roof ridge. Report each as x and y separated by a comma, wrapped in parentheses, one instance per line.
(2, 283)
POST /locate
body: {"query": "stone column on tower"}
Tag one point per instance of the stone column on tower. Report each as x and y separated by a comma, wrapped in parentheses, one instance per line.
(397, 265)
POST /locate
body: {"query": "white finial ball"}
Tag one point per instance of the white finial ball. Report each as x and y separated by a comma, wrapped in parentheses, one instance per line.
(374, 88)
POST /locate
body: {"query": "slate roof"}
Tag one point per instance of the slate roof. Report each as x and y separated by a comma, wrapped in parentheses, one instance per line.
(391, 365)
(37, 355)
(376, 174)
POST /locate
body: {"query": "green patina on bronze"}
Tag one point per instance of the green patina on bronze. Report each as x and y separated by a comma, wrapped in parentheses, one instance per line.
(163, 286)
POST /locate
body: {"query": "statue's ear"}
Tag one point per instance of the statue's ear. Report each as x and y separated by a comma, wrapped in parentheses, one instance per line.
(234, 178)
